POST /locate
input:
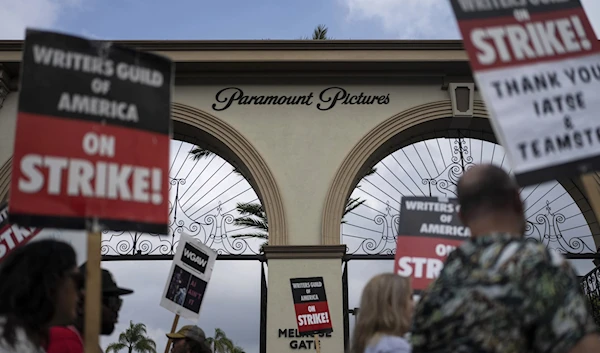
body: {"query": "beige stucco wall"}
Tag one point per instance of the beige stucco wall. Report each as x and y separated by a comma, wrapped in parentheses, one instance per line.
(304, 146)
(280, 309)
(8, 124)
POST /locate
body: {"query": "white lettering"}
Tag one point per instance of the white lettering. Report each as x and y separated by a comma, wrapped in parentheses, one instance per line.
(432, 267)
(197, 259)
(445, 229)
(101, 107)
(87, 179)
(313, 319)
(137, 74)
(517, 42)
(35, 179)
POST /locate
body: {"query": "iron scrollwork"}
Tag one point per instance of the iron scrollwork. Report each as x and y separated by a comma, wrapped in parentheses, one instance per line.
(213, 229)
(543, 226)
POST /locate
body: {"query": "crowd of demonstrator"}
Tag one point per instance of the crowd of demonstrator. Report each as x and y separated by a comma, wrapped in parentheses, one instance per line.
(497, 293)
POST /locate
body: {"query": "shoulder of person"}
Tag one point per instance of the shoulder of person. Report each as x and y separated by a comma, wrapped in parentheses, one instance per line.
(64, 339)
(389, 344)
(533, 254)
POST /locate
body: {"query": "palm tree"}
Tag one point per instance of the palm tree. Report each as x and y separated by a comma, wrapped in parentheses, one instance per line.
(319, 33)
(220, 343)
(134, 339)
(253, 215)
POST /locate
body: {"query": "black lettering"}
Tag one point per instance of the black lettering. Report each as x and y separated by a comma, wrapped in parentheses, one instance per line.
(560, 104)
(282, 333)
(222, 97)
(526, 84)
(561, 142)
(329, 97)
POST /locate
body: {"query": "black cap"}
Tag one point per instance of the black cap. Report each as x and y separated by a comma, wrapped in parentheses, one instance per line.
(109, 286)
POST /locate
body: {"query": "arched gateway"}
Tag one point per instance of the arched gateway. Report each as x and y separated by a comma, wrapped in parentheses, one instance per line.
(303, 122)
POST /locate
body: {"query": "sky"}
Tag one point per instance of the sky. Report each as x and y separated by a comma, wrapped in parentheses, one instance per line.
(232, 300)
(239, 19)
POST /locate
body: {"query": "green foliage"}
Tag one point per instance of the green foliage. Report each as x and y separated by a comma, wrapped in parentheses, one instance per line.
(134, 339)
(220, 343)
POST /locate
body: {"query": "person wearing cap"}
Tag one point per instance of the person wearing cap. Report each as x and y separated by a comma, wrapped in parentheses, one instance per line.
(68, 339)
(189, 339)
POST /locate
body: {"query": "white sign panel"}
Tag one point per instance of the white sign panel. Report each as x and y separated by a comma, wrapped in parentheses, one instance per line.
(191, 270)
(537, 65)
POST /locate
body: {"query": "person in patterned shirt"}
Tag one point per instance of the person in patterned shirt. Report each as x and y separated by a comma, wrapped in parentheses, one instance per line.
(499, 292)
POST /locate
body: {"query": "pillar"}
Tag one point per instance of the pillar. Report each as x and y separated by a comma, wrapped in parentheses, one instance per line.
(285, 262)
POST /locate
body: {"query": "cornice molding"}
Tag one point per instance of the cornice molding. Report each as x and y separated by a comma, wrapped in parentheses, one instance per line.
(304, 251)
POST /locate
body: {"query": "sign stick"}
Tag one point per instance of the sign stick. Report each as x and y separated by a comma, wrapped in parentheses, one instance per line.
(93, 293)
(173, 328)
(593, 194)
(317, 343)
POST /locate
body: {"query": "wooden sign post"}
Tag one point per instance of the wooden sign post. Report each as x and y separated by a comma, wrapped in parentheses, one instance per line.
(317, 343)
(93, 292)
(173, 329)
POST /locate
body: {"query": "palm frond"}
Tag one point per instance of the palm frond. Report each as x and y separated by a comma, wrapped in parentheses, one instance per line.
(251, 209)
(370, 172)
(351, 205)
(115, 347)
(198, 153)
(252, 235)
(320, 33)
(251, 222)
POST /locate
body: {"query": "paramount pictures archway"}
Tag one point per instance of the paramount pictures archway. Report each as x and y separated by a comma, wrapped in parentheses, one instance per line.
(428, 159)
(426, 99)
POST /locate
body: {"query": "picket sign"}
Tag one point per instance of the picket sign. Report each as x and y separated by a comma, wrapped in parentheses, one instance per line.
(188, 279)
(109, 107)
(533, 63)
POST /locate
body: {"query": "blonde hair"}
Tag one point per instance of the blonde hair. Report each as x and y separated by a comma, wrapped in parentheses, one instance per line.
(385, 309)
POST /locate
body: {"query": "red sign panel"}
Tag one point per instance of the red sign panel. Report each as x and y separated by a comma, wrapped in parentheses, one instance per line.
(92, 137)
(310, 303)
(11, 235)
(429, 231)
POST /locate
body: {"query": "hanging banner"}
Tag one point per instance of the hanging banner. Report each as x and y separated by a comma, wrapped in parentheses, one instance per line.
(92, 136)
(537, 66)
(13, 236)
(310, 304)
(190, 273)
(429, 230)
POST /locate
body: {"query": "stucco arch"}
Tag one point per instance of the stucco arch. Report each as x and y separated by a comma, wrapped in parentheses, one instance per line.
(198, 127)
(426, 121)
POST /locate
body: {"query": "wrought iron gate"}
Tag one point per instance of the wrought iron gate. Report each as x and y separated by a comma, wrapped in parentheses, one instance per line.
(204, 193)
(431, 165)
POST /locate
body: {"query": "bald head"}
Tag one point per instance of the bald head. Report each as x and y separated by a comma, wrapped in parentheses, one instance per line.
(485, 190)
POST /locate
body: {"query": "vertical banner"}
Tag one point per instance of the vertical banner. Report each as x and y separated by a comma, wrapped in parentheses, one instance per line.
(310, 304)
(537, 65)
(92, 136)
(188, 278)
(429, 230)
